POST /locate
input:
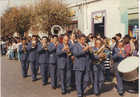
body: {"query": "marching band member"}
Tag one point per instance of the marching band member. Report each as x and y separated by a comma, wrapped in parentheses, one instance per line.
(98, 70)
(53, 60)
(64, 64)
(119, 55)
(43, 61)
(33, 57)
(24, 57)
(81, 65)
(71, 44)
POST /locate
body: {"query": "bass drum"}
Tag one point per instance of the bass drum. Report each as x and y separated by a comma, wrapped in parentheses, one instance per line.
(128, 68)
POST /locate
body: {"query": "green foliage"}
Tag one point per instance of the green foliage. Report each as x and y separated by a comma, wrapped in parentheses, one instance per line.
(42, 13)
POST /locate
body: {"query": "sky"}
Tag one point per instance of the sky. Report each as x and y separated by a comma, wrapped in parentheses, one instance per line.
(4, 3)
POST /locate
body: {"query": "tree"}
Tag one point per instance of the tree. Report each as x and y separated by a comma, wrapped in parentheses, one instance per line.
(42, 13)
(16, 19)
(49, 13)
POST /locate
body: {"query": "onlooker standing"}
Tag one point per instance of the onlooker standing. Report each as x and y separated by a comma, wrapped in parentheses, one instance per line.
(18, 43)
(136, 50)
(127, 46)
(14, 48)
(10, 51)
(134, 39)
(132, 46)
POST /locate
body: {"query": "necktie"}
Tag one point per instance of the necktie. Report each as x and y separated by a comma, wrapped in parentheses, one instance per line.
(73, 42)
(83, 49)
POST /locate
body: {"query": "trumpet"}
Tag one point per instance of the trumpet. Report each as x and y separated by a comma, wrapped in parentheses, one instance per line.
(45, 46)
(33, 44)
(68, 51)
(24, 49)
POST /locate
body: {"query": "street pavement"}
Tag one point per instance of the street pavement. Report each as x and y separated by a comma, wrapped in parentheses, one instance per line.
(13, 85)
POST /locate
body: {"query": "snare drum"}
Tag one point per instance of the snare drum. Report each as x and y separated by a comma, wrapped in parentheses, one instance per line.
(128, 68)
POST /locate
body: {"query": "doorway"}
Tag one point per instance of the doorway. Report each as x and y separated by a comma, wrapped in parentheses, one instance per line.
(100, 27)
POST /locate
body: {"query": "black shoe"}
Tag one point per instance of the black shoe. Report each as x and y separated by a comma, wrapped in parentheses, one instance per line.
(98, 94)
(58, 86)
(73, 86)
(63, 93)
(79, 96)
(44, 84)
(116, 88)
(53, 88)
(24, 77)
(108, 80)
(121, 94)
(68, 91)
(33, 80)
(84, 95)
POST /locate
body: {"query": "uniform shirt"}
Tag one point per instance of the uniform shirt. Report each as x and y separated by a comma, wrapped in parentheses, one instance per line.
(72, 42)
(17, 46)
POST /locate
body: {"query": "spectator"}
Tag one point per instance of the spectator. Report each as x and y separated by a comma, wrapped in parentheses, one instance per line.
(14, 49)
(99, 36)
(127, 46)
(10, 51)
(134, 39)
(136, 50)
(18, 43)
(132, 46)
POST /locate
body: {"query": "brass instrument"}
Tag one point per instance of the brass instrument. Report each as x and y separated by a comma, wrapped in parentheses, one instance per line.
(68, 52)
(77, 32)
(24, 49)
(108, 44)
(45, 46)
(96, 62)
(55, 30)
(33, 46)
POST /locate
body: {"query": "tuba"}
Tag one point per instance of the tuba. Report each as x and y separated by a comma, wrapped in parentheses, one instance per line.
(77, 32)
(56, 29)
(105, 47)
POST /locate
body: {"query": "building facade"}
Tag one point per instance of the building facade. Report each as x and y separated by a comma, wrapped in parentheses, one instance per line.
(106, 17)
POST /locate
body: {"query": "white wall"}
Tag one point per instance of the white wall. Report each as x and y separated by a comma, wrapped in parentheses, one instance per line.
(113, 17)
